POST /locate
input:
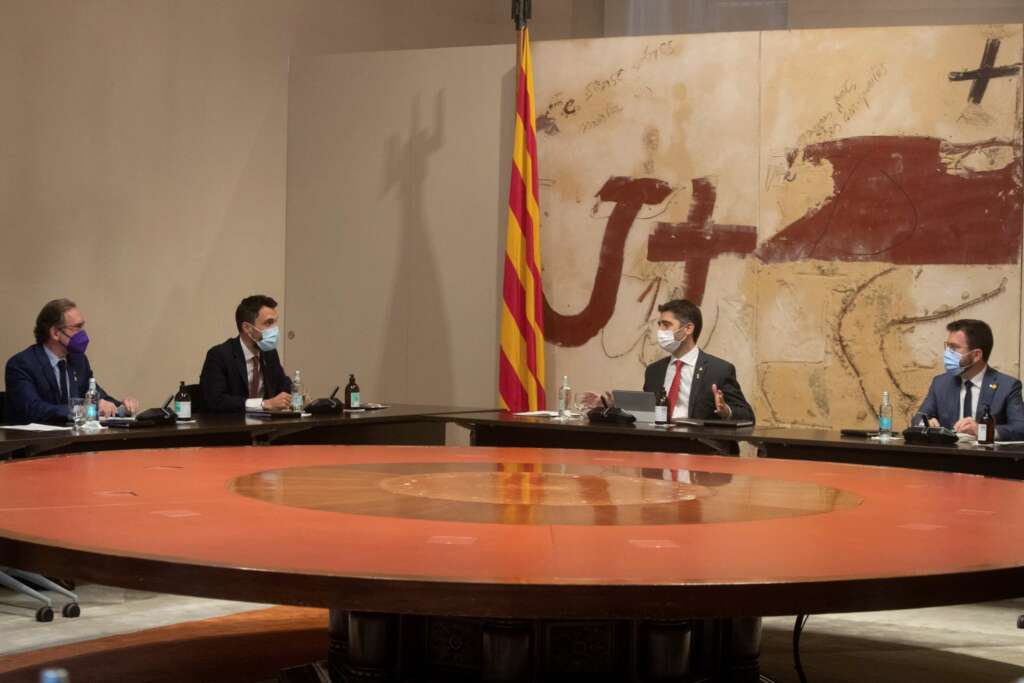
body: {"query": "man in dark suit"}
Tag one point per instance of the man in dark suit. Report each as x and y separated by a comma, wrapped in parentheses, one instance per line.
(957, 398)
(698, 384)
(244, 373)
(41, 380)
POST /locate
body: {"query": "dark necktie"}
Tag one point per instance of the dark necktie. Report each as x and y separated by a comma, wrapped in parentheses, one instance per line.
(673, 392)
(254, 385)
(62, 369)
(968, 403)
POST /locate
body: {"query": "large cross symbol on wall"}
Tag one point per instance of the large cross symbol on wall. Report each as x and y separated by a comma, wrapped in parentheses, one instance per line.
(698, 240)
(984, 73)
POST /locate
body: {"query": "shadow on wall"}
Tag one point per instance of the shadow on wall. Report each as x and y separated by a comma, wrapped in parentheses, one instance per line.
(417, 335)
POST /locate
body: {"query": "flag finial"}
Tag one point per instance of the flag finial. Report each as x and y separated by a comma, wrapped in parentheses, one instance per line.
(521, 11)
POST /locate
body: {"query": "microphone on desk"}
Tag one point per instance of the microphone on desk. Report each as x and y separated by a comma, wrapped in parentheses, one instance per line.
(335, 392)
(326, 406)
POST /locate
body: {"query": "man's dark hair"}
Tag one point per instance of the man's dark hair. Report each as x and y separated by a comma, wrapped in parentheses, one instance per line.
(249, 309)
(685, 311)
(52, 315)
(978, 333)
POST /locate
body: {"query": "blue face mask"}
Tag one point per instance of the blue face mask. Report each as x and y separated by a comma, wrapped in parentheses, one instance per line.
(268, 342)
(951, 361)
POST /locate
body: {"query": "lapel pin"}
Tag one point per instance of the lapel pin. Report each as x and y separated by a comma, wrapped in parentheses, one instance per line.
(993, 387)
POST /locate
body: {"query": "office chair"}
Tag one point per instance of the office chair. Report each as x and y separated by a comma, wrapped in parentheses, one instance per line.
(3, 396)
(9, 579)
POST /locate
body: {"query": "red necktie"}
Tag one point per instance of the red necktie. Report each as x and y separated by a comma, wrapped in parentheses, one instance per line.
(254, 385)
(673, 391)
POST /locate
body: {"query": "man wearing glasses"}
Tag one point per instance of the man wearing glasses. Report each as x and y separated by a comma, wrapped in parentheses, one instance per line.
(957, 398)
(42, 379)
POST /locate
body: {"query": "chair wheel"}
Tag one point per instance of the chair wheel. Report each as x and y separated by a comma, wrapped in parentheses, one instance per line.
(71, 610)
(44, 614)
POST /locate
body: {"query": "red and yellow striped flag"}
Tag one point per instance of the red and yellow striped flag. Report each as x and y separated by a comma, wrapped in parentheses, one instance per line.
(521, 370)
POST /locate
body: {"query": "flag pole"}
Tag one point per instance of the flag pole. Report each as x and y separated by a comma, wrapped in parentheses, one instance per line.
(521, 13)
(521, 369)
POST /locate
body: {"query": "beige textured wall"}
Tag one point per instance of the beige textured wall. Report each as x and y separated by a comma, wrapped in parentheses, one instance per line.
(143, 162)
(831, 199)
(396, 204)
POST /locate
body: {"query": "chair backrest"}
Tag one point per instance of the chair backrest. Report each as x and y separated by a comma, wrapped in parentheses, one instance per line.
(3, 396)
(198, 402)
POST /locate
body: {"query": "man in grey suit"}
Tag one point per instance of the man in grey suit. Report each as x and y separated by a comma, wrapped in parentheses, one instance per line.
(698, 384)
(957, 398)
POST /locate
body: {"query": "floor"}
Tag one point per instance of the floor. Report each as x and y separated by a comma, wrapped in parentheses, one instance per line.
(964, 643)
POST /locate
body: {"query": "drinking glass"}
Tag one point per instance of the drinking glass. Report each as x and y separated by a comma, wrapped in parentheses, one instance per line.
(78, 412)
(581, 404)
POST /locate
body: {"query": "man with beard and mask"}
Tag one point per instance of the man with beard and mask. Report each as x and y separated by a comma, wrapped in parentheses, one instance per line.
(244, 373)
(41, 380)
(698, 385)
(957, 398)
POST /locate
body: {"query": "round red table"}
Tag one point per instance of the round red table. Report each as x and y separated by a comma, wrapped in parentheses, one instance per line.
(497, 536)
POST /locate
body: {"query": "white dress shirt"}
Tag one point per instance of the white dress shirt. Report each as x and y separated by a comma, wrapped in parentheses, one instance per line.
(251, 403)
(975, 383)
(682, 404)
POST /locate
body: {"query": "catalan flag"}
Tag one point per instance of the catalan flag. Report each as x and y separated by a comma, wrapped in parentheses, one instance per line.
(521, 362)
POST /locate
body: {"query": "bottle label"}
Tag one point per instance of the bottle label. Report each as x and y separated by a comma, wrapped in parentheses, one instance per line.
(982, 432)
(661, 413)
(354, 399)
(885, 424)
(183, 409)
(90, 411)
(296, 401)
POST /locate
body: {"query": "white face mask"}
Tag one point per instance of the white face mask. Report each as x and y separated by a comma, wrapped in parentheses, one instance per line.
(667, 340)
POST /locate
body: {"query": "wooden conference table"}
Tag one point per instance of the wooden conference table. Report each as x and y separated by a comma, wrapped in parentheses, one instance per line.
(425, 424)
(516, 563)
(397, 424)
(500, 428)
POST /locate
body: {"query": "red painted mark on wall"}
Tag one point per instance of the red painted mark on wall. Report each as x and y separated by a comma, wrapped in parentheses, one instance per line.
(895, 202)
(698, 240)
(629, 196)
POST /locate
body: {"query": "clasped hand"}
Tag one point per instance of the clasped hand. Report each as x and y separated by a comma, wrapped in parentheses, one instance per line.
(282, 401)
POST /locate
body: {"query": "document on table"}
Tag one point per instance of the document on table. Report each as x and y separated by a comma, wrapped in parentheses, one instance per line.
(36, 427)
(538, 413)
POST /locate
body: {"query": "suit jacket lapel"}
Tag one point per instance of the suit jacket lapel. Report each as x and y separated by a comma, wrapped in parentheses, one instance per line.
(989, 384)
(76, 375)
(51, 379)
(240, 365)
(697, 384)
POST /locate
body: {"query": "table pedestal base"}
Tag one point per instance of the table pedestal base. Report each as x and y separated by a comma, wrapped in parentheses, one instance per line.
(392, 648)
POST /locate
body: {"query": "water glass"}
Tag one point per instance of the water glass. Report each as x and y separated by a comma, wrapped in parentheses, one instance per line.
(78, 412)
(581, 403)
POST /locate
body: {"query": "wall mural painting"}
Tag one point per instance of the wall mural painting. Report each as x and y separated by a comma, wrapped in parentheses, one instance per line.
(830, 198)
